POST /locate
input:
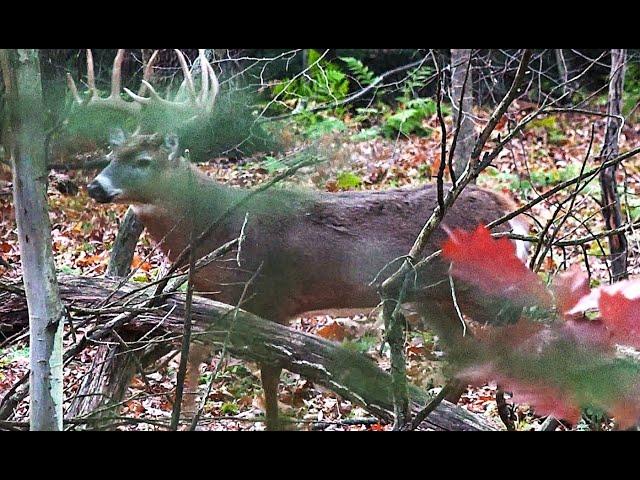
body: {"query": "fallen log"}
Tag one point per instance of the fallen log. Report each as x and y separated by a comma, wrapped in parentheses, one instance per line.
(352, 375)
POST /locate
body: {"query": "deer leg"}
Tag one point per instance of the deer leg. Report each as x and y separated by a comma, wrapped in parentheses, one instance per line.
(197, 354)
(443, 320)
(270, 377)
(457, 388)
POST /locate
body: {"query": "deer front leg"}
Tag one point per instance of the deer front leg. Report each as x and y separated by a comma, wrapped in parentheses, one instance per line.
(270, 377)
(197, 354)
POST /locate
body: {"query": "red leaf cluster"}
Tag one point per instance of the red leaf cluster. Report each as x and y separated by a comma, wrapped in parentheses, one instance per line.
(492, 265)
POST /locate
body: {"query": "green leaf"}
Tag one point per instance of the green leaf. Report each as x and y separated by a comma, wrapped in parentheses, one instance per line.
(272, 164)
(325, 126)
(366, 134)
(362, 73)
(229, 408)
(348, 180)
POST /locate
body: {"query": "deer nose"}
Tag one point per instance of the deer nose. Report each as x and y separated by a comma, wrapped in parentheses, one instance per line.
(97, 192)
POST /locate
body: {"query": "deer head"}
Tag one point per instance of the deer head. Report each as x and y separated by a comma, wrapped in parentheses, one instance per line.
(137, 169)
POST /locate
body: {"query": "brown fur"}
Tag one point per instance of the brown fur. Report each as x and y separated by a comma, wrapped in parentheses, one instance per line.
(323, 253)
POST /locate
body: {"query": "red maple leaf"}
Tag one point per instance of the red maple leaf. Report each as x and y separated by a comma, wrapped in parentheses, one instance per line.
(569, 287)
(619, 306)
(626, 412)
(492, 265)
(620, 311)
(545, 400)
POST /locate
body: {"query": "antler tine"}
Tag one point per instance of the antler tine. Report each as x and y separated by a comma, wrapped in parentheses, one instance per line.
(116, 74)
(148, 70)
(208, 95)
(215, 87)
(91, 77)
(74, 90)
(187, 74)
(154, 97)
(113, 101)
(204, 71)
(145, 100)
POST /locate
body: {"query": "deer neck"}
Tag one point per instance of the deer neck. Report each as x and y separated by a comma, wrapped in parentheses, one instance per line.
(189, 198)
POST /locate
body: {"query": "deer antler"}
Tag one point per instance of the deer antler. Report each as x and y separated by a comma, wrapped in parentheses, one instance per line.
(200, 103)
(114, 100)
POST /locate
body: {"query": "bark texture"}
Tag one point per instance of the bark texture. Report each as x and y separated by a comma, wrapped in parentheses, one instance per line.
(610, 199)
(21, 73)
(466, 135)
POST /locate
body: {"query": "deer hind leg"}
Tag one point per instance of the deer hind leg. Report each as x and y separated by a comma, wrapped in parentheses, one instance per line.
(270, 377)
(443, 320)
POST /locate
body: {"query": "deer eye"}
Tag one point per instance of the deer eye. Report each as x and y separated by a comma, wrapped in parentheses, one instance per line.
(143, 161)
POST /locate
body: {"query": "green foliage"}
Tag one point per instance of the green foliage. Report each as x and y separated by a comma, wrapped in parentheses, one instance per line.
(273, 165)
(413, 109)
(67, 270)
(229, 408)
(409, 118)
(323, 82)
(362, 344)
(631, 206)
(326, 82)
(548, 124)
(348, 180)
(360, 71)
(537, 178)
(366, 134)
(239, 381)
(14, 353)
(417, 80)
(366, 114)
(318, 126)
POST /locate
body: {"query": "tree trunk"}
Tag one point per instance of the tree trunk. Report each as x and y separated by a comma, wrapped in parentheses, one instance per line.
(21, 72)
(125, 245)
(562, 69)
(460, 59)
(112, 367)
(610, 198)
(352, 375)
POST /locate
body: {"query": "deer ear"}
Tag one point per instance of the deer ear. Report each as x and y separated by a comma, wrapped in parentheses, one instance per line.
(172, 145)
(116, 137)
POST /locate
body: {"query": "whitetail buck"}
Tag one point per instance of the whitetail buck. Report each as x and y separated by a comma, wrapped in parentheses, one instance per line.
(314, 250)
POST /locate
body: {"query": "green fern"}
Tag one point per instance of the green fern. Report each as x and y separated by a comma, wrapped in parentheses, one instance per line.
(359, 70)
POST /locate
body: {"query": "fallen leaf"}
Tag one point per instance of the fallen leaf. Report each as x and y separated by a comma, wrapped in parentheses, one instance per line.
(334, 331)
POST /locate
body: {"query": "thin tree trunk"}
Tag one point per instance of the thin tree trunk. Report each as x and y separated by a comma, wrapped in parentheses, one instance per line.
(460, 58)
(125, 245)
(610, 198)
(21, 72)
(563, 72)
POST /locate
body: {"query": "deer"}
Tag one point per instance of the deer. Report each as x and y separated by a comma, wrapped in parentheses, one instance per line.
(302, 250)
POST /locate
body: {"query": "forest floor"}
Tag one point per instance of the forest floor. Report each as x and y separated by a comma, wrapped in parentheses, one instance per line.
(551, 150)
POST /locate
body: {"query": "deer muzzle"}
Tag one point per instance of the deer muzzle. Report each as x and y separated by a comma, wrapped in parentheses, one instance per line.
(102, 190)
